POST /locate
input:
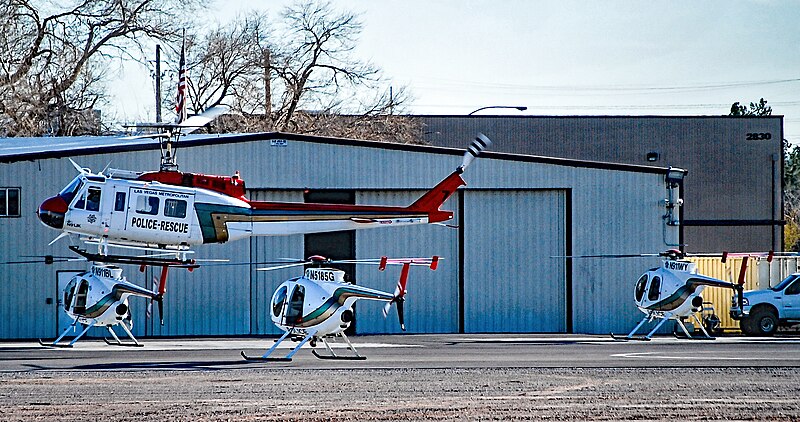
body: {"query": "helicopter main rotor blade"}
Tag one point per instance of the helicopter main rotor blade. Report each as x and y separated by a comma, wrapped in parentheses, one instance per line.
(59, 237)
(197, 121)
(80, 169)
(47, 260)
(637, 255)
(278, 267)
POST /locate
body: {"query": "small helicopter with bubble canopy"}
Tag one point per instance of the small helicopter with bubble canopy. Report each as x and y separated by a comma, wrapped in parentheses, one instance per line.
(319, 305)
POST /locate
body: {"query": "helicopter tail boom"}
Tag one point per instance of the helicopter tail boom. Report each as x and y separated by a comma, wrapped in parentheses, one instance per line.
(434, 198)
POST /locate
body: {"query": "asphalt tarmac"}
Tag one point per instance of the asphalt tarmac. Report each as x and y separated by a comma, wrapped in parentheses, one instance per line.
(407, 377)
(412, 351)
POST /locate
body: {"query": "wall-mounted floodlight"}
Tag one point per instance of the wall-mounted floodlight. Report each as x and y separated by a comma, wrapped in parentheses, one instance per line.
(675, 175)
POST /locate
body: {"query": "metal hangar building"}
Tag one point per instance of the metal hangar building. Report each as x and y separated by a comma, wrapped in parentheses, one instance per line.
(734, 191)
(503, 268)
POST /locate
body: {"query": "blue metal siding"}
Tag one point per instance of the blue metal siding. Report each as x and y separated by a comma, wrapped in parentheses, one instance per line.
(511, 283)
(431, 305)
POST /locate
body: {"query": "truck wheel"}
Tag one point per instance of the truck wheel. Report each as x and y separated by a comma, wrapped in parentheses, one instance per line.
(764, 322)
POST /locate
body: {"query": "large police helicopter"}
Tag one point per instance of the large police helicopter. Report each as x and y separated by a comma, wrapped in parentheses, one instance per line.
(319, 305)
(673, 292)
(171, 211)
(99, 298)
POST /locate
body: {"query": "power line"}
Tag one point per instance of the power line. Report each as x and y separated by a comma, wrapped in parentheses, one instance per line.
(436, 83)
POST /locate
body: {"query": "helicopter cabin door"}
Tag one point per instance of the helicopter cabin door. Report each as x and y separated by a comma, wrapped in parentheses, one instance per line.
(160, 216)
(63, 321)
(119, 209)
(294, 309)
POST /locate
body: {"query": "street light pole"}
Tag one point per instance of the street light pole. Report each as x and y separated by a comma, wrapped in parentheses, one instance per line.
(520, 108)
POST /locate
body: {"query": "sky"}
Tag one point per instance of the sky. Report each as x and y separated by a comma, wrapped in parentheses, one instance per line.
(563, 57)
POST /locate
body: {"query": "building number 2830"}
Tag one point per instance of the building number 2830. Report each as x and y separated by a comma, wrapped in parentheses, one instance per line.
(765, 136)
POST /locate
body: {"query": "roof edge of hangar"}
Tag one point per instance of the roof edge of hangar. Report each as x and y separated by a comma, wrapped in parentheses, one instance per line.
(146, 144)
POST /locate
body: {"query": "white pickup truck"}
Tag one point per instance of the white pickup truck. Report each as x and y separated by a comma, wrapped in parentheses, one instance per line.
(762, 311)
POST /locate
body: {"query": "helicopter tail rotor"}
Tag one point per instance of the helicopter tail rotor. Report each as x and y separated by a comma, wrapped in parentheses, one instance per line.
(740, 283)
(399, 296)
(160, 300)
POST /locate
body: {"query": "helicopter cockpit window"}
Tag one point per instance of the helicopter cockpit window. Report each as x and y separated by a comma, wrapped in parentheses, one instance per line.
(175, 208)
(147, 205)
(93, 199)
(294, 313)
(69, 293)
(80, 203)
(68, 193)
(640, 285)
(277, 302)
(655, 288)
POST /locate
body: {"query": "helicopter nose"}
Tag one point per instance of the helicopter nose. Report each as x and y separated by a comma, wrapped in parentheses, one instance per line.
(52, 211)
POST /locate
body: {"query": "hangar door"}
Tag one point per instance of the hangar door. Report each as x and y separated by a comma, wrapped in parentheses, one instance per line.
(511, 283)
(431, 305)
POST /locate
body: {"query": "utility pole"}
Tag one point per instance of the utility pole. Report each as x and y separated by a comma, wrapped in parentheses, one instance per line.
(267, 87)
(158, 83)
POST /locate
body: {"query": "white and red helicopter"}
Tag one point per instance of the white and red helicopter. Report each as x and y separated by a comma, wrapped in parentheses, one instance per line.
(673, 291)
(99, 298)
(319, 304)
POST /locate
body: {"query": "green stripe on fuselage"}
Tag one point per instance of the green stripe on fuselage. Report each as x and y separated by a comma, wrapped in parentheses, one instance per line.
(333, 303)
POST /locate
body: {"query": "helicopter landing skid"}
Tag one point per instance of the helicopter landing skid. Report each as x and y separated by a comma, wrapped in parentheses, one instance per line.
(288, 358)
(71, 327)
(333, 356)
(678, 336)
(626, 338)
(266, 359)
(117, 341)
(336, 357)
(686, 335)
(121, 343)
(57, 345)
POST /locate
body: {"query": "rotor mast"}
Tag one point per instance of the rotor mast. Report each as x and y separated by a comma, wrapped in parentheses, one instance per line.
(167, 143)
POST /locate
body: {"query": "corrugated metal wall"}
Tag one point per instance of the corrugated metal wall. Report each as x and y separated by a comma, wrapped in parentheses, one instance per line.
(613, 211)
(742, 182)
(511, 283)
(760, 274)
(432, 302)
(265, 249)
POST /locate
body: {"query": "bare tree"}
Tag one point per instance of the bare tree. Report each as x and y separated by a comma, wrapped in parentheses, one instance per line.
(297, 74)
(52, 56)
(225, 63)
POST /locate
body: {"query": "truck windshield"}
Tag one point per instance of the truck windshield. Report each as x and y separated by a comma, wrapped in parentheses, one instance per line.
(782, 285)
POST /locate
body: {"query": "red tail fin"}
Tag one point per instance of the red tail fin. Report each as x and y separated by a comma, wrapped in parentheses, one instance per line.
(431, 201)
(434, 198)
